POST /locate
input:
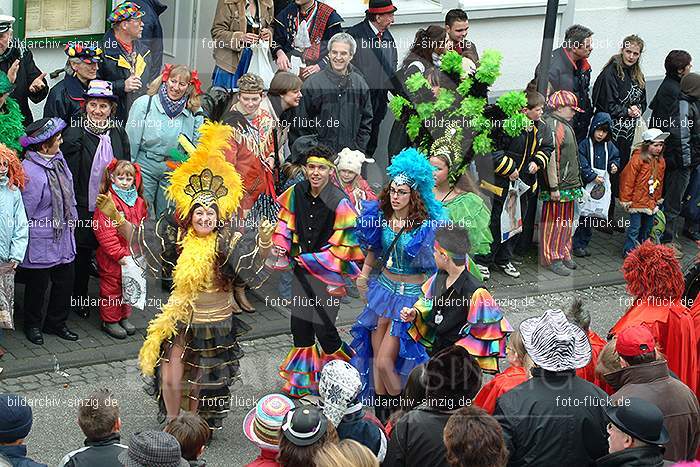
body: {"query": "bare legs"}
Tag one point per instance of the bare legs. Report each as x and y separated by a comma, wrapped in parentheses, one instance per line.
(171, 381)
(385, 348)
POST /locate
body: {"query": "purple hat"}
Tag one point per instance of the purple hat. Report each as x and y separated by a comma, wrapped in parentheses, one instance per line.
(100, 89)
(41, 130)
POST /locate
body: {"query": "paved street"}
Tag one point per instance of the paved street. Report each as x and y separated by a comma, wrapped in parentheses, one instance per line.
(59, 391)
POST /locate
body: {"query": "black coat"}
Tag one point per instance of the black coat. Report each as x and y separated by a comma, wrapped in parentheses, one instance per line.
(664, 116)
(615, 96)
(79, 147)
(689, 116)
(375, 61)
(115, 69)
(575, 77)
(27, 73)
(103, 453)
(338, 109)
(647, 456)
(65, 99)
(416, 440)
(553, 419)
(152, 34)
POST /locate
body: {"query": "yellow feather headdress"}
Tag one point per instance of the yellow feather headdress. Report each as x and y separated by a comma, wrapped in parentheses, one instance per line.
(206, 178)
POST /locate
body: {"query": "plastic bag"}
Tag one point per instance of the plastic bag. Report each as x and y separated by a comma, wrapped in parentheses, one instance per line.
(7, 296)
(261, 62)
(511, 215)
(133, 284)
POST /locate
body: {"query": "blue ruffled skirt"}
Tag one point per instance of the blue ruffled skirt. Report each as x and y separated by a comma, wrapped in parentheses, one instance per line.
(385, 299)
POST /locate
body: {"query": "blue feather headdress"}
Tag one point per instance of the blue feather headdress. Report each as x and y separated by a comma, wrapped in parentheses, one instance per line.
(410, 167)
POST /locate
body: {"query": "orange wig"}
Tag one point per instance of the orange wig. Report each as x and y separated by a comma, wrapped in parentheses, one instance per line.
(653, 271)
(15, 171)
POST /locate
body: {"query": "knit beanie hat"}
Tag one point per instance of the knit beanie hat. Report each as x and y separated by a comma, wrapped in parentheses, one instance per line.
(15, 418)
(690, 85)
(351, 160)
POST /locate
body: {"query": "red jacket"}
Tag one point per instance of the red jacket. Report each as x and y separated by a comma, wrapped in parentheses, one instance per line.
(588, 371)
(112, 245)
(674, 331)
(499, 385)
(265, 459)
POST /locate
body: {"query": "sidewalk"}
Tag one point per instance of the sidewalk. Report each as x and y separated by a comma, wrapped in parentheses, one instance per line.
(95, 347)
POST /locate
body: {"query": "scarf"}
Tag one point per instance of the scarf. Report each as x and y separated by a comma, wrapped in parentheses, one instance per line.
(62, 200)
(102, 157)
(172, 108)
(97, 128)
(128, 196)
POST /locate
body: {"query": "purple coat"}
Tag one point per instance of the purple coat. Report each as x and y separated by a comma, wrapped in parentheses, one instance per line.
(43, 251)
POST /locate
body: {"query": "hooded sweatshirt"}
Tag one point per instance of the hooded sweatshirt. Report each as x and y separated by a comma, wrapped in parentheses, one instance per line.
(689, 117)
(599, 149)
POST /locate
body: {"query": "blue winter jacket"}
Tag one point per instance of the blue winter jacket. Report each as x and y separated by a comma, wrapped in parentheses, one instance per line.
(584, 148)
(17, 455)
(14, 230)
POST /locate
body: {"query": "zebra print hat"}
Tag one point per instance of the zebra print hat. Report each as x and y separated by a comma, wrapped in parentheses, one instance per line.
(554, 343)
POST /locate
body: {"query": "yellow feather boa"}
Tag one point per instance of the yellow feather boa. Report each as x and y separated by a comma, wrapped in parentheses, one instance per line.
(194, 270)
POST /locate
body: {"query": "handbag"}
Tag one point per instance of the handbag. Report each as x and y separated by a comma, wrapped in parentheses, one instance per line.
(261, 62)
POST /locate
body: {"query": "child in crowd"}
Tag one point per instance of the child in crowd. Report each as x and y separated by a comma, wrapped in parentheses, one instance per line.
(122, 180)
(193, 434)
(262, 427)
(98, 417)
(15, 424)
(349, 164)
(455, 308)
(14, 233)
(516, 373)
(563, 186)
(582, 318)
(596, 155)
(641, 185)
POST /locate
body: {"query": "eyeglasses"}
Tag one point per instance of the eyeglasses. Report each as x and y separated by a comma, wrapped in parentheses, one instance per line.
(394, 192)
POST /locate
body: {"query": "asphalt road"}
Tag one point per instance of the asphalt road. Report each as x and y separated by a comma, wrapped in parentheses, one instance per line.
(57, 394)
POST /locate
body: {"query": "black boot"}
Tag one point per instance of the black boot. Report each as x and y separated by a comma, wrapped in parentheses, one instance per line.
(379, 407)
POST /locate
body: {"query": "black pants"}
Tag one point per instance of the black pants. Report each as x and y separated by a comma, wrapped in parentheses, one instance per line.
(313, 313)
(60, 278)
(501, 253)
(83, 258)
(528, 207)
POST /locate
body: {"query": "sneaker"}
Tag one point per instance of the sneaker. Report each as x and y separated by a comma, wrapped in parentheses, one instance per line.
(569, 263)
(509, 270)
(558, 267)
(517, 259)
(581, 252)
(484, 270)
(677, 250)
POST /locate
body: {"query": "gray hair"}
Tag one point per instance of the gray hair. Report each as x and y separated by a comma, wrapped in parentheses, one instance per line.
(346, 38)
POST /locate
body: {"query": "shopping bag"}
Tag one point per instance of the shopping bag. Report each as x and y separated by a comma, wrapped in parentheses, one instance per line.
(597, 197)
(639, 129)
(261, 62)
(511, 215)
(7, 296)
(133, 284)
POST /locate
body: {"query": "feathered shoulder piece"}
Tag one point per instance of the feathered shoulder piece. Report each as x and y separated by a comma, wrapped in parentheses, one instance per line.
(206, 178)
(410, 167)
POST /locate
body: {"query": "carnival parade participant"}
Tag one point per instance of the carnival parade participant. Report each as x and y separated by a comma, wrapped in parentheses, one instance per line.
(49, 201)
(315, 230)
(88, 146)
(171, 107)
(191, 346)
(455, 308)
(398, 231)
(11, 118)
(456, 190)
(655, 281)
(122, 181)
(66, 97)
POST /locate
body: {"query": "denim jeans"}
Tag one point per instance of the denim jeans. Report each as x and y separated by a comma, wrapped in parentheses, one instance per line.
(638, 230)
(583, 234)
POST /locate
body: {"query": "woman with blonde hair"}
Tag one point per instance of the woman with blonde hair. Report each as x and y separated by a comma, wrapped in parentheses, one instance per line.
(170, 107)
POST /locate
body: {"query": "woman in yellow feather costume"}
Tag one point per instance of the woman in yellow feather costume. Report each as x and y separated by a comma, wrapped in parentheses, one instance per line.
(191, 347)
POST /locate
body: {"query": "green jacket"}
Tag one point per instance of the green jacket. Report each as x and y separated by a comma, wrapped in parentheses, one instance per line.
(563, 172)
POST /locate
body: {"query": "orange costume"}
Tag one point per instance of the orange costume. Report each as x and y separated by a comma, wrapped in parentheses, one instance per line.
(655, 280)
(251, 144)
(499, 385)
(588, 371)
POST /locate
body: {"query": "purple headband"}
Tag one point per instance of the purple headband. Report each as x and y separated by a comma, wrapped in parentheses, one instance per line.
(50, 128)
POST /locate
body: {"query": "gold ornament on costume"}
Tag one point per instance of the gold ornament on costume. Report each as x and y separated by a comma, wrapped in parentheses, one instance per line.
(447, 145)
(206, 178)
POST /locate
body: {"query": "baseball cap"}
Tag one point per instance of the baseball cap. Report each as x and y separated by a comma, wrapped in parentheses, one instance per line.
(634, 341)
